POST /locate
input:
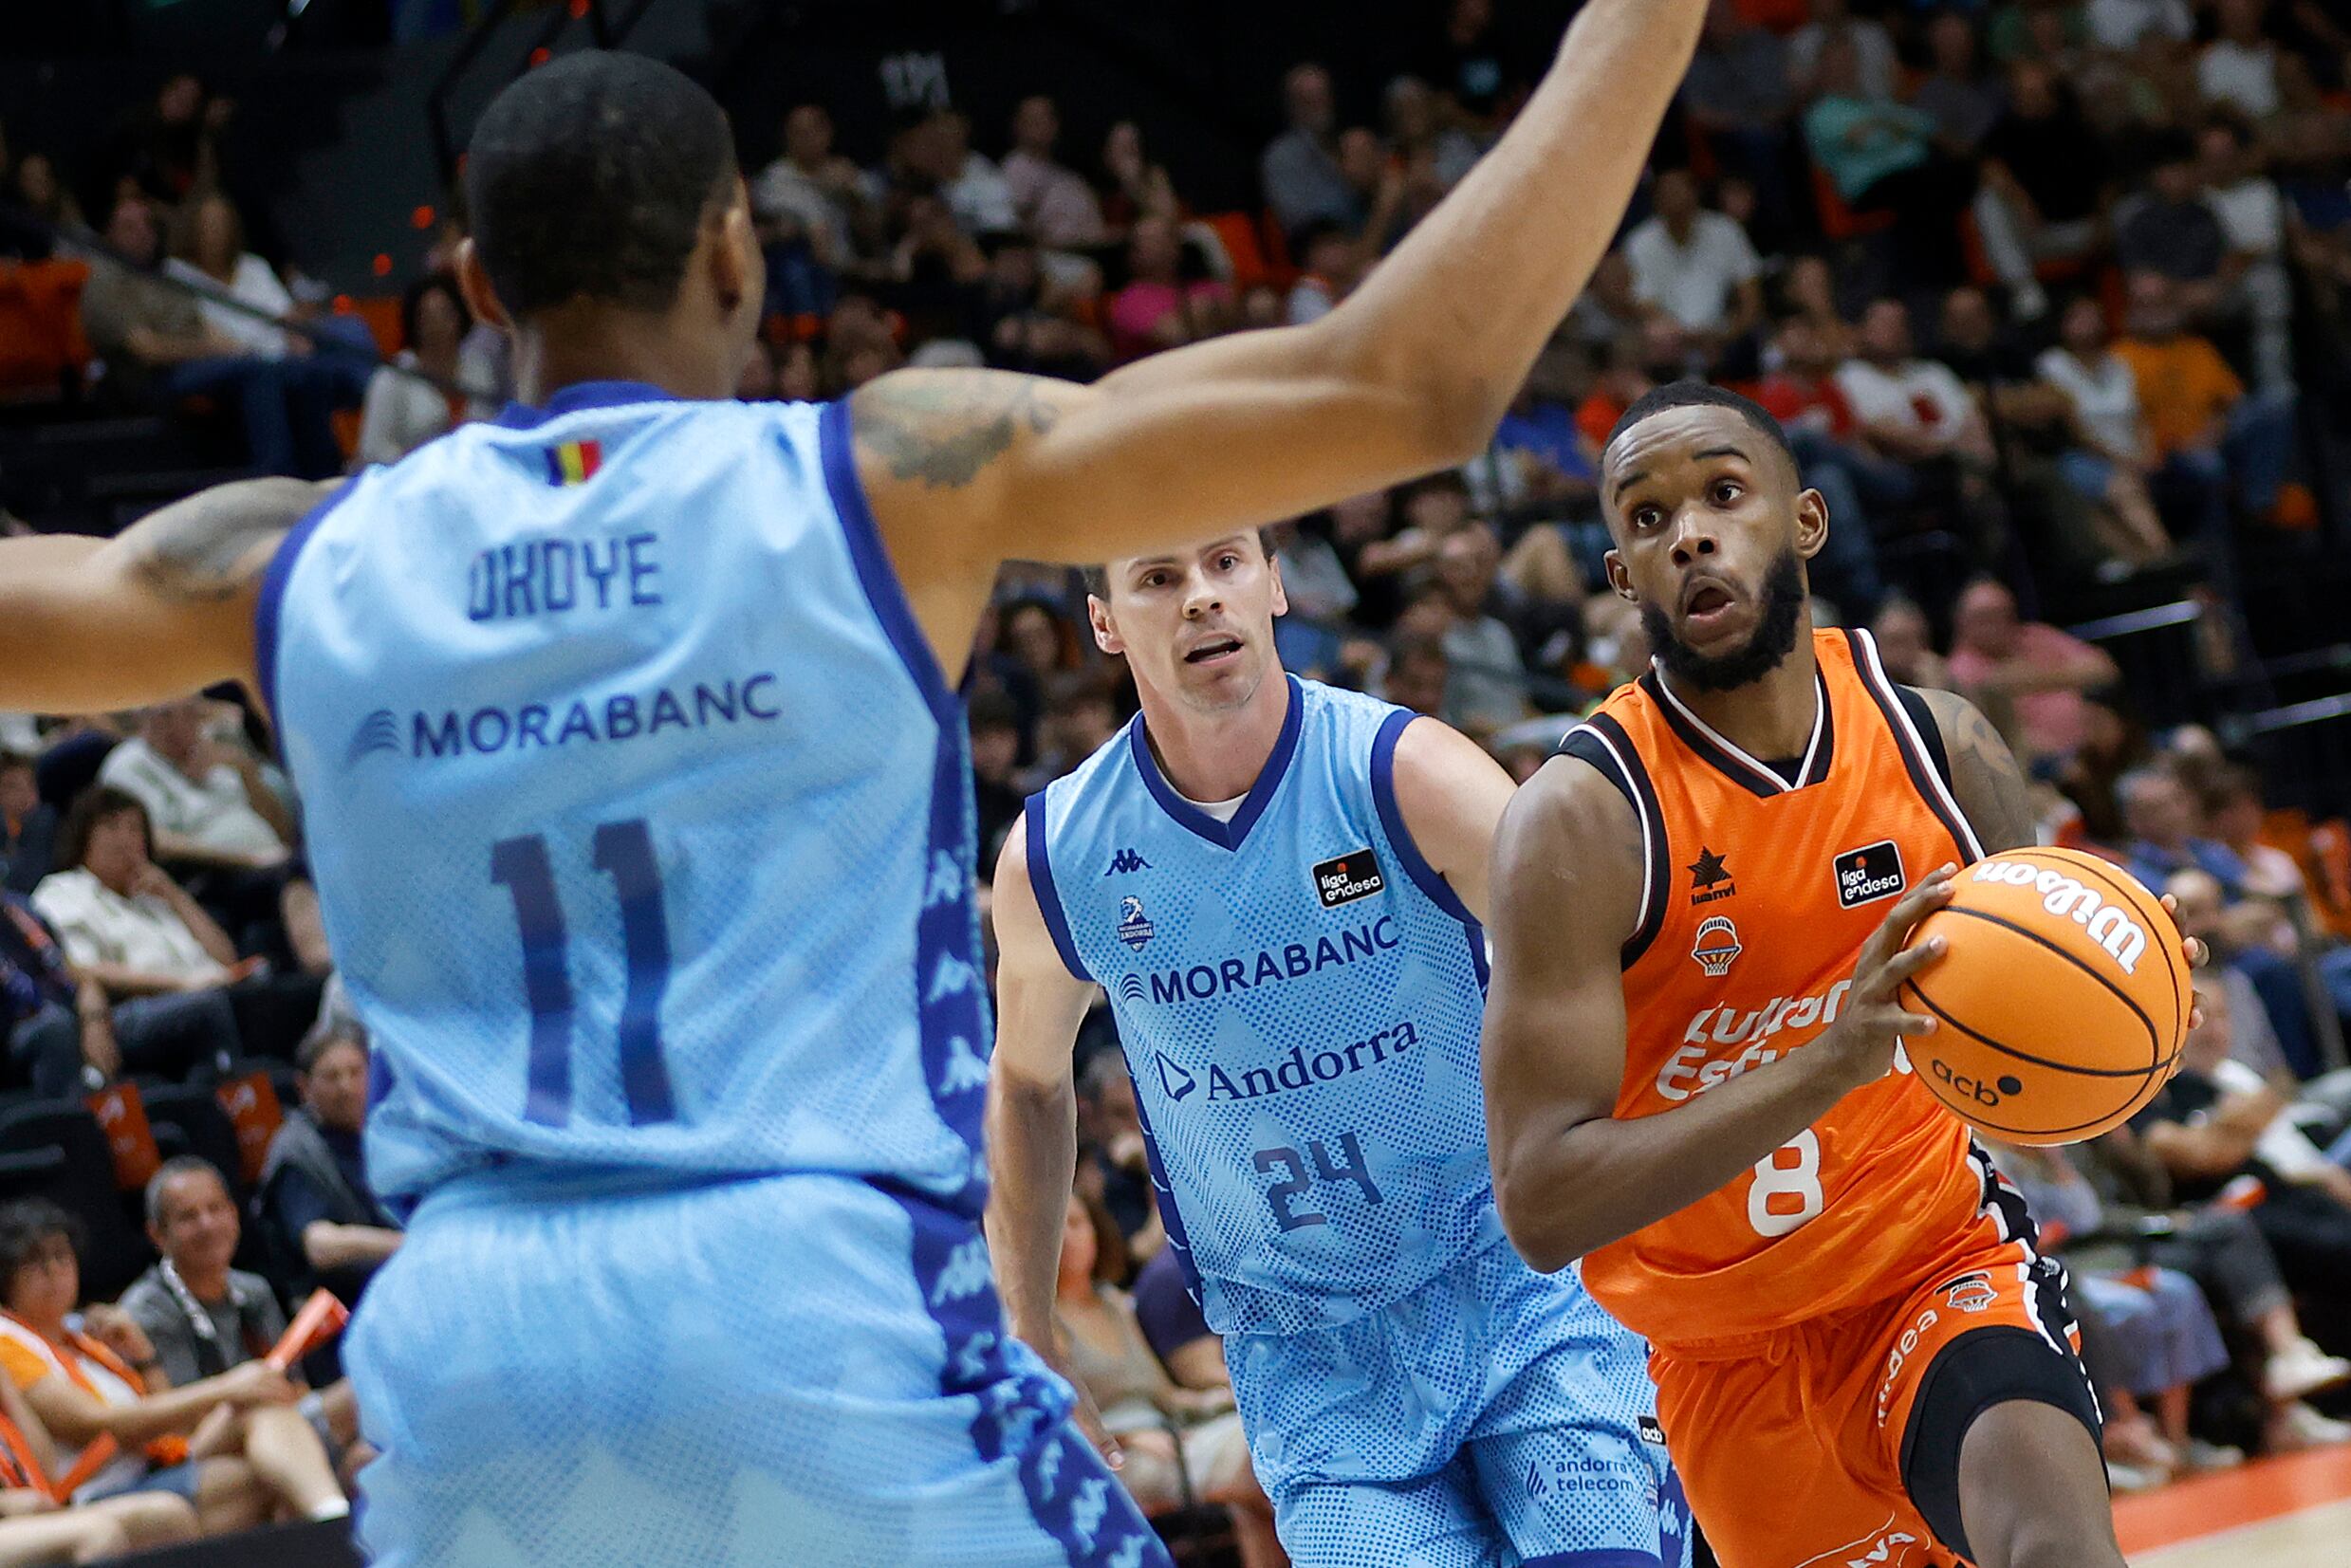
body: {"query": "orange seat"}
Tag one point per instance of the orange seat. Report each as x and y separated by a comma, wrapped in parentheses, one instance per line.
(381, 312)
(40, 337)
(1839, 221)
(1281, 268)
(1238, 234)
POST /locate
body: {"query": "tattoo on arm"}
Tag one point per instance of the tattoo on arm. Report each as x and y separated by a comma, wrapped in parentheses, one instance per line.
(1984, 774)
(944, 429)
(215, 545)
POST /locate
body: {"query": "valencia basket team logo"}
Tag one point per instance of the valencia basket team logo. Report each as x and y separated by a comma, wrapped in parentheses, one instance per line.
(1718, 945)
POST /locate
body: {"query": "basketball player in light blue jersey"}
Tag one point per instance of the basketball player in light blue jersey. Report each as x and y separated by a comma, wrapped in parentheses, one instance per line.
(1280, 886)
(637, 801)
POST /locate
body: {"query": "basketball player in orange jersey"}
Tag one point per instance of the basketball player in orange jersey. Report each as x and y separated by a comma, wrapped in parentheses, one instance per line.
(1691, 1051)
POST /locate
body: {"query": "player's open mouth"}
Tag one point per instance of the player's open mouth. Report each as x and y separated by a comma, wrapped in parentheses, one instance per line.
(1702, 602)
(1213, 651)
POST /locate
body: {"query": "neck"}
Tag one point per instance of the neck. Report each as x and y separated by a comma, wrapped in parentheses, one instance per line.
(1681, 228)
(582, 342)
(1767, 718)
(1216, 756)
(205, 1284)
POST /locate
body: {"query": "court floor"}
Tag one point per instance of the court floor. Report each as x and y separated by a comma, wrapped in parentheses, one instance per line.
(2279, 1513)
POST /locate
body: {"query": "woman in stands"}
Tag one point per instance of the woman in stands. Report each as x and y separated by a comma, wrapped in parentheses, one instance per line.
(1182, 1445)
(36, 1530)
(94, 1384)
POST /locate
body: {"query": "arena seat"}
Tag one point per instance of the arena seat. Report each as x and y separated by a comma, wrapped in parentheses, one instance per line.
(41, 348)
(1839, 221)
(82, 1182)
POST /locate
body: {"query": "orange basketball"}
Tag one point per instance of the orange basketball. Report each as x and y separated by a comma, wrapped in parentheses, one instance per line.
(2063, 999)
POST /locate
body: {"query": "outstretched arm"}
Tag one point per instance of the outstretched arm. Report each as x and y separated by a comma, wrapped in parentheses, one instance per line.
(1569, 1175)
(1410, 372)
(1033, 1111)
(163, 608)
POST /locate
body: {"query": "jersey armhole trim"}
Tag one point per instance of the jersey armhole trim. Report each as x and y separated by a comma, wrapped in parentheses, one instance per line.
(883, 591)
(1923, 718)
(1048, 897)
(269, 608)
(1602, 744)
(1918, 759)
(1425, 877)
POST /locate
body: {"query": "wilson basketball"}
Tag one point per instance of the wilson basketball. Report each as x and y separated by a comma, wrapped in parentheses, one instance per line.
(2063, 999)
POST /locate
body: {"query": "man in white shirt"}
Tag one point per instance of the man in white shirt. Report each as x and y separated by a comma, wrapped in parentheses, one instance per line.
(2240, 68)
(2252, 217)
(1918, 412)
(208, 800)
(810, 185)
(1056, 204)
(1697, 265)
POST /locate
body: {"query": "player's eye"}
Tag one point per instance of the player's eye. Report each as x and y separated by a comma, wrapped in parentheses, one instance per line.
(1726, 492)
(1647, 517)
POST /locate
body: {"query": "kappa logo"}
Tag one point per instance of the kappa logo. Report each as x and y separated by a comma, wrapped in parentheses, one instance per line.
(1134, 929)
(1352, 876)
(379, 732)
(1174, 1079)
(1709, 878)
(1125, 861)
(1867, 875)
(1718, 945)
(1971, 1292)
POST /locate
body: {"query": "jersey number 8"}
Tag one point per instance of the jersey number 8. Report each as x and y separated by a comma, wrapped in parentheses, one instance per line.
(1786, 1193)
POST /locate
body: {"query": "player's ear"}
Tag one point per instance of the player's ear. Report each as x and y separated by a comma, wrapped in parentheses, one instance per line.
(473, 283)
(737, 269)
(1281, 594)
(1812, 522)
(1105, 630)
(1619, 579)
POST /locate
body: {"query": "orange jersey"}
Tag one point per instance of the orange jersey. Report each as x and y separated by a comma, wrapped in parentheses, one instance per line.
(1760, 893)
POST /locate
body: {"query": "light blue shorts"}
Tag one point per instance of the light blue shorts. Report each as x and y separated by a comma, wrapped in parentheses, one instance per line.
(1493, 1417)
(789, 1370)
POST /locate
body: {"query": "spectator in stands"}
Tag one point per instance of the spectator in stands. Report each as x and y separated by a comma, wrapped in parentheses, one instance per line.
(1486, 686)
(1111, 1137)
(2038, 671)
(1171, 1435)
(1740, 97)
(1876, 65)
(1133, 186)
(2244, 67)
(314, 1191)
(1608, 310)
(1881, 156)
(49, 221)
(218, 821)
(2121, 25)
(158, 347)
(1963, 101)
(1695, 266)
(2208, 1127)
(138, 934)
(403, 409)
(2270, 1027)
(2163, 819)
(1418, 674)
(1906, 645)
(28, 826)
(1081, 713)
(1054, 202)
(2032, 207)
(2208, 434)
(968, 181)
(2113, 455)
(2234, 815)
(204, 1316)
(1917, 412)
(2172, 230)
(1437, 154)
(822, 192)
(103, 1381)
(2251, 213)
(208, 250)
(1161, 308)
(170, 145)
(1300, 170)
(995, 754)
(35, 1530)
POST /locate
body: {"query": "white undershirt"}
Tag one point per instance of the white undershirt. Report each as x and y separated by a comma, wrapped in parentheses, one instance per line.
(1224, 811)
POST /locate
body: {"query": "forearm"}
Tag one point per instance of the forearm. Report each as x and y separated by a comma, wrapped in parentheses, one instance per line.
(177, 849)
(1563, 1193)
(121, 982)
(1033, 1149)
(201, 926)
(266, 802)
(331, 1246)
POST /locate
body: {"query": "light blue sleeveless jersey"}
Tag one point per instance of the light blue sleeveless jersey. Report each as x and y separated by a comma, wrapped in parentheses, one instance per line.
(637, 807)
(1299, 995)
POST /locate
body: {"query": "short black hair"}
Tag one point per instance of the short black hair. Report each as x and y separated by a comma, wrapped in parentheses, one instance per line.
(323, 1038)
(1675, 395)
(589, 178)
(25, 1227)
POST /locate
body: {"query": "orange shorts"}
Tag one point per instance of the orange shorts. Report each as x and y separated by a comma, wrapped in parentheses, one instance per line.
(1835, 1443)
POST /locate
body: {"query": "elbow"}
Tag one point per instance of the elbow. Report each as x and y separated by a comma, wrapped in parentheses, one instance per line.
(1531, 1223)
(1440, 405)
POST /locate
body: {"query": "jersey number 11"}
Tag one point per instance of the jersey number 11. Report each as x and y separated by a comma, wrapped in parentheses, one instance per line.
(624, 853)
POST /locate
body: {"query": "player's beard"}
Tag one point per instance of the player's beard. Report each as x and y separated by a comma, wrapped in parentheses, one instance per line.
(1775, 638)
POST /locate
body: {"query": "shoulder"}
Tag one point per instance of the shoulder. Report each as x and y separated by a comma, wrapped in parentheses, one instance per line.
(145, 1299)
(1575, 799)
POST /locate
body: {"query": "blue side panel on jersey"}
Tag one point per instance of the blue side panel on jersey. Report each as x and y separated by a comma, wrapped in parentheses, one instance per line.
(873, 565)
(1605, 1556)
(1417, 866)
(1048, 897)
(952, 1012)
(1171, 1216)
(272, 601)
